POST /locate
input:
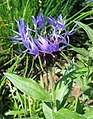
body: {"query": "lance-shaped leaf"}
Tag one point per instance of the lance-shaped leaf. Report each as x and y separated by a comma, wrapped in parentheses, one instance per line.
(67, 114)
(89, 114)
(81, 51)
(29, 87)
(47, 111)
(88, 30)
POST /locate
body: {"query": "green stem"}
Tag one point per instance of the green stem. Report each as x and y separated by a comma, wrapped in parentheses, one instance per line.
(88, 71)
(52, 87)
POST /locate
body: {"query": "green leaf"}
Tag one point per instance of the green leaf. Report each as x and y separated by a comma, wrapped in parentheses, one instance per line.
(72, 74)
(91, 52)
(67, 114)
(89, 115)
(81, 51)
(62, 90)
(78, 106)
(82, 85)
(29, 87)
(88, 30)
(89, 91)
(14, 112)
(47, 111)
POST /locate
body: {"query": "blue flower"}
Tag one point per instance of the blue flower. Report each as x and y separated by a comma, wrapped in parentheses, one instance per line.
(24, 37)
(47, 46)
(56, 24)
(38, 21)
(42, 43)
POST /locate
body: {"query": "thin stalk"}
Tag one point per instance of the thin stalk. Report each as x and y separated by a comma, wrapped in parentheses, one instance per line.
(52, 86)
(25, 72)
(25, 9)
(25, 107)
(40, 62)
(8, 5)
(29, 99)
(32, 65)
(78, 12)
(89, 63)
(71, 20)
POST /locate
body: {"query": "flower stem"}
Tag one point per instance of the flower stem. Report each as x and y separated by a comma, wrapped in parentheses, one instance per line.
(52, 87)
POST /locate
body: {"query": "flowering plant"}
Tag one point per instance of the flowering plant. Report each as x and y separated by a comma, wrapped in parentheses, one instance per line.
(42, 43)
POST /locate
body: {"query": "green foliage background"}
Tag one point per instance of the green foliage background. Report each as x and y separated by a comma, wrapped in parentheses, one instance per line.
(12, 101)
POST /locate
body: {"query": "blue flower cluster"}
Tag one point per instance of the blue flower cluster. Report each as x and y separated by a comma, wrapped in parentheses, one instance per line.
(42, 43)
